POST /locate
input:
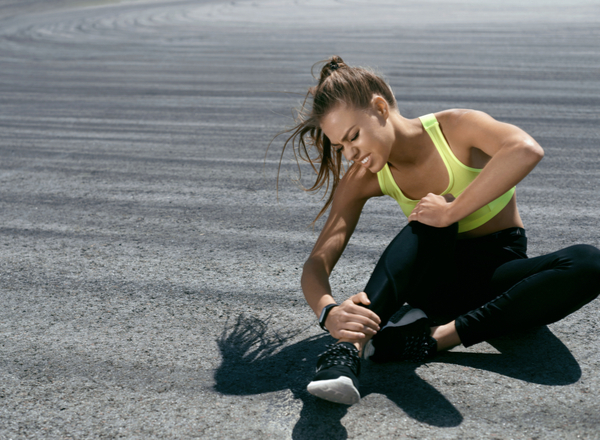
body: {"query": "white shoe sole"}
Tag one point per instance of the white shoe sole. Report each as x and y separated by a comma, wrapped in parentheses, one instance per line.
(340, 390)
(408, 318)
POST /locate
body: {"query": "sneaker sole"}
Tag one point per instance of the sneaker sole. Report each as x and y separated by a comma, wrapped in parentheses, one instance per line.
(409, 317)
(340, 390)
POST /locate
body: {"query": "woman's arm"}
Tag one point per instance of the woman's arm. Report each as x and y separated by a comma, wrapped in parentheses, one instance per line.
(507, 152)
(350, 320)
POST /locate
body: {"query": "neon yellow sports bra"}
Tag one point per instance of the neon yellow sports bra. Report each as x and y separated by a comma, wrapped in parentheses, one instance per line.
(460, 177)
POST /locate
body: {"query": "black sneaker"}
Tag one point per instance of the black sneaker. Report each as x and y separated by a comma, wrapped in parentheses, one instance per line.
(406, 337)
(337, 375)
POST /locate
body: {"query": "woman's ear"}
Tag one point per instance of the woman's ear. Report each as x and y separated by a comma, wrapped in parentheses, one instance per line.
(380, 106)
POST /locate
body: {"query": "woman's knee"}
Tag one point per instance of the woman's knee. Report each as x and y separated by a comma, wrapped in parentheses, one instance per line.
(585, 254)
(585, 261)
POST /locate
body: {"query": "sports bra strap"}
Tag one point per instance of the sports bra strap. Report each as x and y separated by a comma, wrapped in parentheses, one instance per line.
(428, 121)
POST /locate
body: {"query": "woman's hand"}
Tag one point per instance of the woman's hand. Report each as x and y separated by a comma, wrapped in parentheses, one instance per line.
(351, 321)
(433, 210)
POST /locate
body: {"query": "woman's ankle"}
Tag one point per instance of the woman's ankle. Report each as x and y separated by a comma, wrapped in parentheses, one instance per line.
(360, 345)
(446, 336)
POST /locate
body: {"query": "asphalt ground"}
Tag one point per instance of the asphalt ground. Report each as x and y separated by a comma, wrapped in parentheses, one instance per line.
(149, 274)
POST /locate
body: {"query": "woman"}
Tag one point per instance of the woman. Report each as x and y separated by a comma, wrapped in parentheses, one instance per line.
(458, 272)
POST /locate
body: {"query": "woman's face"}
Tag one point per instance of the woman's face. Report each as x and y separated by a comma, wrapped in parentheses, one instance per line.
(363, 136)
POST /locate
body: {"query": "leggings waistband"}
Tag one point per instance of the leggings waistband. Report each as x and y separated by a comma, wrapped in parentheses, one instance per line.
(504, 234)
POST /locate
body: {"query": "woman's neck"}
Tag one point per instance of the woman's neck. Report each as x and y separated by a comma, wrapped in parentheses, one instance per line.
(408, 140)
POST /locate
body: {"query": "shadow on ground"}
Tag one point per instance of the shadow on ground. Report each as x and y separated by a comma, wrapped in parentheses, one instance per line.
(257, 359)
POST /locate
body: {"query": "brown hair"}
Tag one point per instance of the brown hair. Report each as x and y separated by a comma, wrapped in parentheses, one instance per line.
(338, 83)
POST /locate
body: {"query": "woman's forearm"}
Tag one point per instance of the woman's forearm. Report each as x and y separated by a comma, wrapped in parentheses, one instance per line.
(315, 285)
(507, 168)
(350, 321)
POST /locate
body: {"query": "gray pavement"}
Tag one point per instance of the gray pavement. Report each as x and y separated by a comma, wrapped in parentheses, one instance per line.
(149, 277)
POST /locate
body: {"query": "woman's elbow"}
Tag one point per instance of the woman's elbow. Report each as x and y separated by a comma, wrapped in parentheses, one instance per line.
(533, 151)
(313, 264)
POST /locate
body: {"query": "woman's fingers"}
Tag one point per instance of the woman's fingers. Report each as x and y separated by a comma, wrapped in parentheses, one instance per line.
(348, 335)
(355, 314)
(351, 320)
(356, 331)
(367, 322)
(432, 210)
(362, 315)
(360, 298)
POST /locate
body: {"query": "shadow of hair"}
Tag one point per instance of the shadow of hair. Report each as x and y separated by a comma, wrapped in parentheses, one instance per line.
(257, 359)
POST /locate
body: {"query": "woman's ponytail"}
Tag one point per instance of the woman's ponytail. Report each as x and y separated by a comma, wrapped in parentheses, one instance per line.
(338, 84)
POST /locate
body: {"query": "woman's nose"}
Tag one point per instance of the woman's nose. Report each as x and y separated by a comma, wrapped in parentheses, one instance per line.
(350, 153)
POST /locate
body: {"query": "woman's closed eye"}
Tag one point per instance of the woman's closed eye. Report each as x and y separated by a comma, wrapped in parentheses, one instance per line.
(341, 147)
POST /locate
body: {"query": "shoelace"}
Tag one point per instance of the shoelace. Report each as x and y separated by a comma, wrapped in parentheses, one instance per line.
(338, 354)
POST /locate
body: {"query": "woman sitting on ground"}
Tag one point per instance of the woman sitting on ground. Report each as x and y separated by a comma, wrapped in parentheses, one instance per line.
(458, 273)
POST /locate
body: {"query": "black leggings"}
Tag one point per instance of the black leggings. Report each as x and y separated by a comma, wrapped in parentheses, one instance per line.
(487, 284)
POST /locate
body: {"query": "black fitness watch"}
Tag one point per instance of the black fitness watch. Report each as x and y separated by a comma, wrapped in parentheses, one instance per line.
(324, 314)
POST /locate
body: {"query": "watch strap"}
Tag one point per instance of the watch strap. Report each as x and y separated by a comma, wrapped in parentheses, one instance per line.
(324, 314)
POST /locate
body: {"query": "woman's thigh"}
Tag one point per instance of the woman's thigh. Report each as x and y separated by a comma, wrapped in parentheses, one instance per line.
(475, 263)
(549, 287)
(533, 292)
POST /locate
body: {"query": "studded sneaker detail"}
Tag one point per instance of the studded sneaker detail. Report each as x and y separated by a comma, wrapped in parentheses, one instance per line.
(406, 337)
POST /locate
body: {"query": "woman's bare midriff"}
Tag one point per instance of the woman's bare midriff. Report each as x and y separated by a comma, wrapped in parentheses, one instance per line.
(507, 218)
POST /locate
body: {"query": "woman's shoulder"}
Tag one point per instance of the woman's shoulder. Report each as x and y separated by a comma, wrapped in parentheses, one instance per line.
(455, 117)
(465, 126)
(359, 183)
